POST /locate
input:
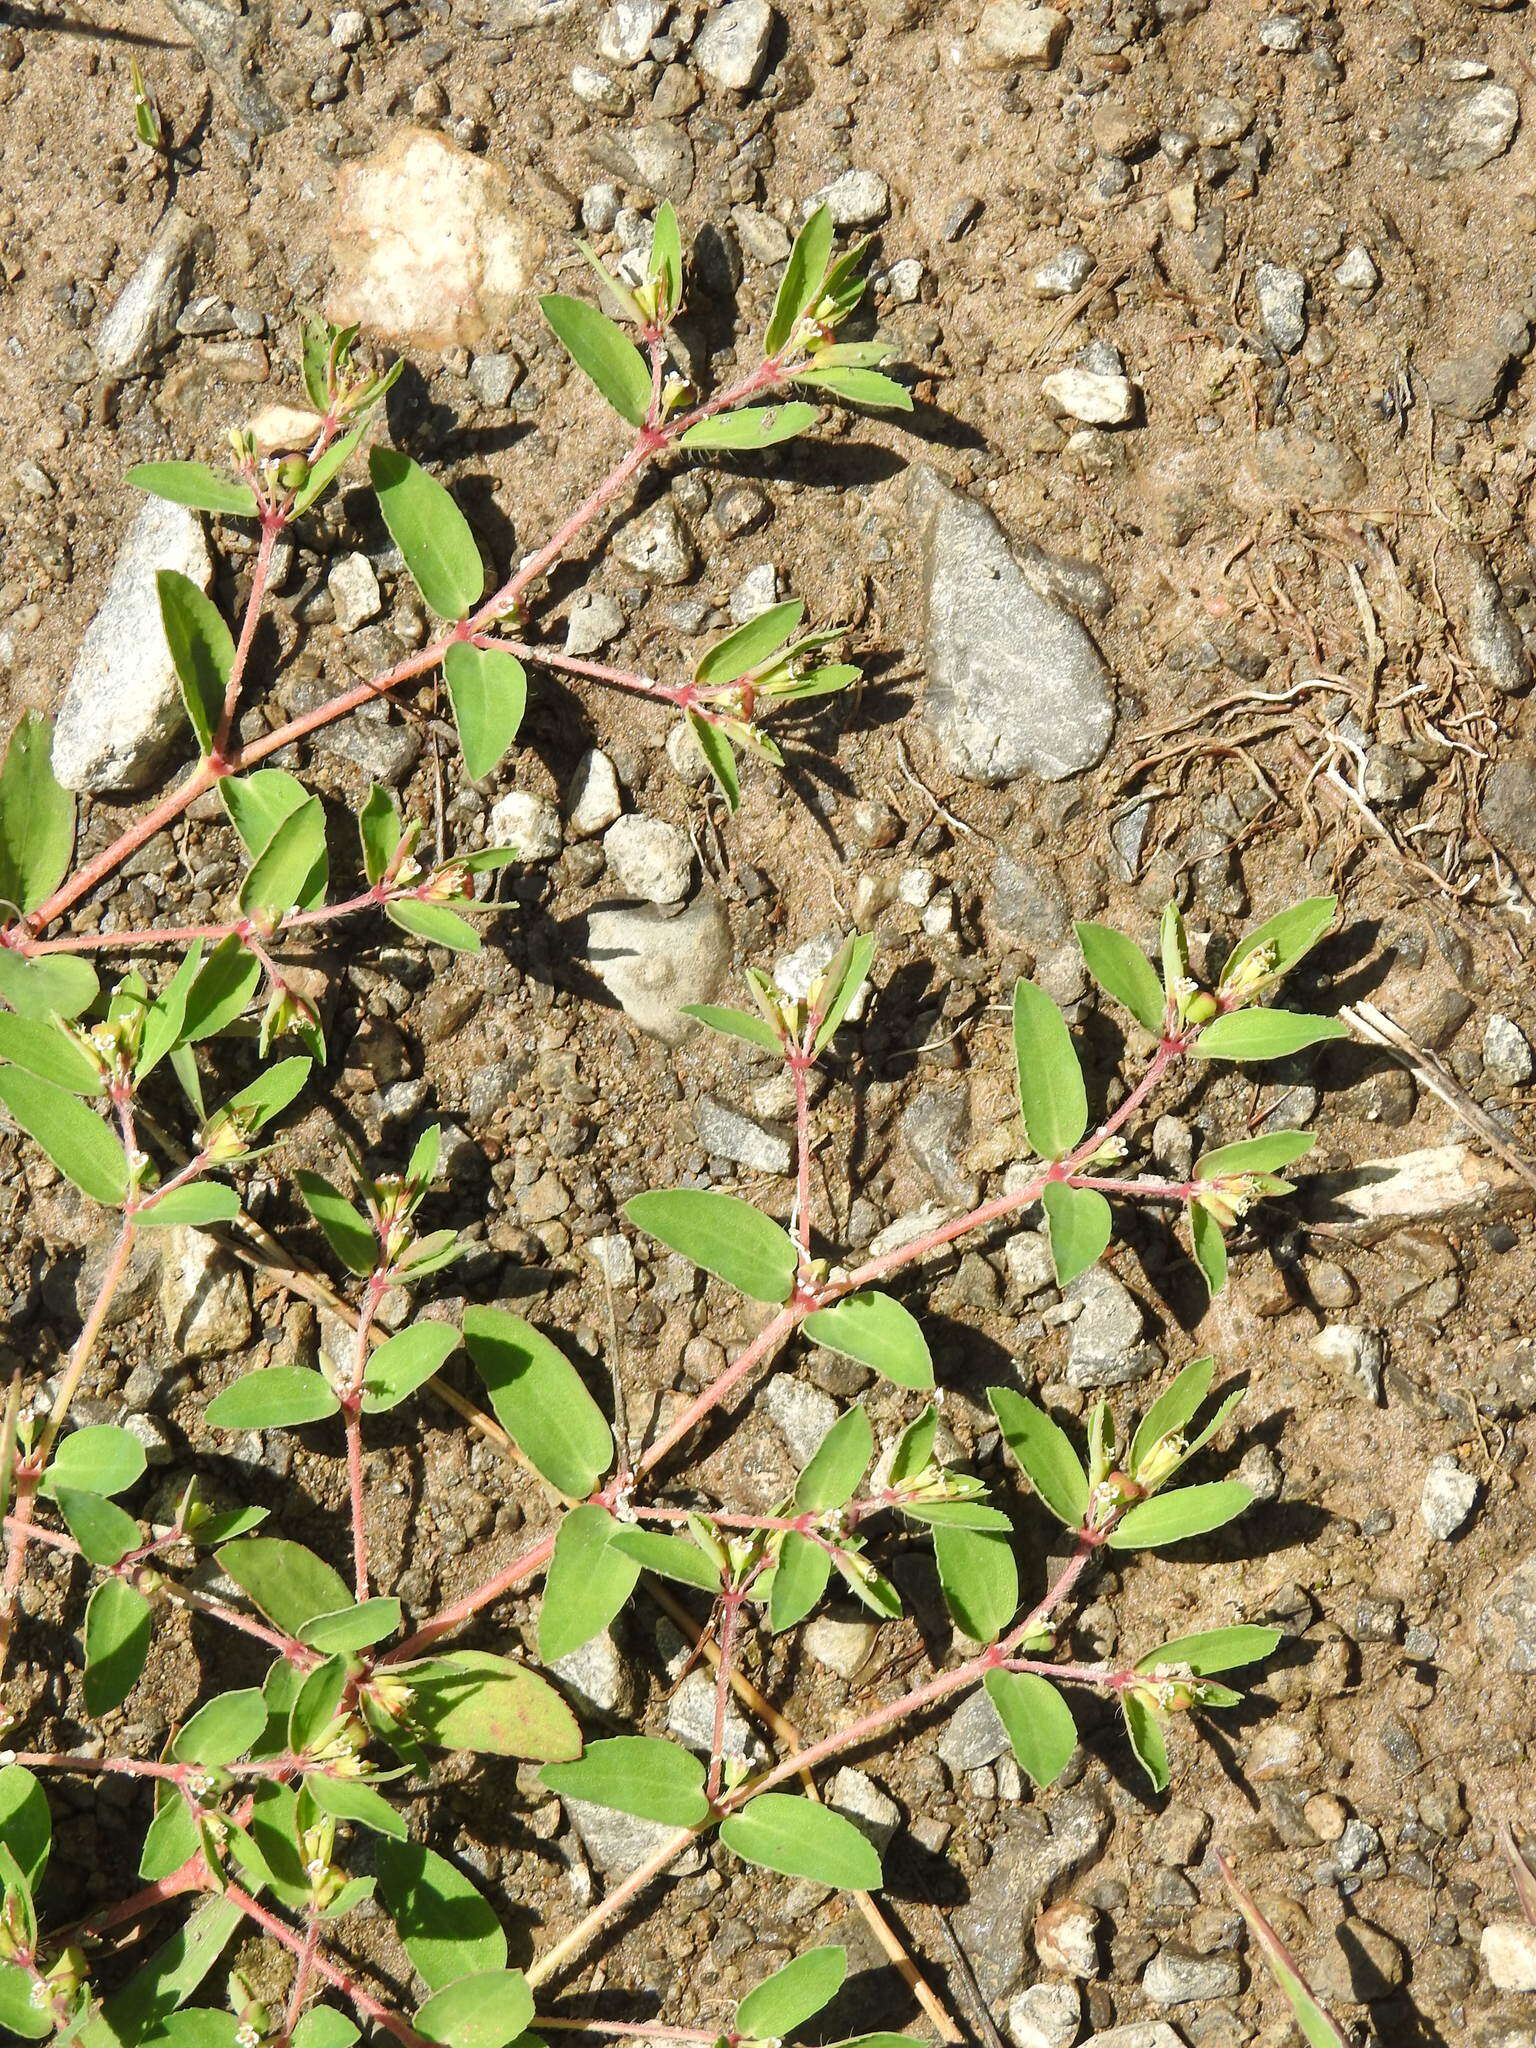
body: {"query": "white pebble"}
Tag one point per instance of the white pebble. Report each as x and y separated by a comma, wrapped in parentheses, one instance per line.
(595, 801)
(1449, 1498)
(1096, 398)
(528, 822)
(649, 859)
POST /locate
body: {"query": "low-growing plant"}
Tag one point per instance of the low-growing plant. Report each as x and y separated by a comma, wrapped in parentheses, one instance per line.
(262, 1794)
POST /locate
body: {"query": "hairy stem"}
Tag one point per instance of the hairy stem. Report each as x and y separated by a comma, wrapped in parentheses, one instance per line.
(272, 525)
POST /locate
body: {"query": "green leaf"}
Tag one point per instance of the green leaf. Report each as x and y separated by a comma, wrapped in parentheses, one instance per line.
(346, 1799)
(1173, 950)
(638, 1774)
(799, 1580)
(1041, 1730)
(401, 1363)
(272, 1090)
(446, 1926)
(42, 1047)
(845, 975)
(1264, 1034)
(588, 1581)
(859, 387)
(430, 531)
(674, 1557)
(666, 264)
(257, 805)
(1214, 1649)
(57, 985)
(316, 1705)
(837, 1465)
(1170, 1517)
(325, 468)
(1146, 1732)
(352, 1628)
(278, 876)
(168, 1841)
(957, 1514)
(277, 1397)
(77, 1141)
(347, 1231)
(798, 1838)
(1287, 938)
(914, 1447)
(17, 2012)
(603, 352)
(202, 651)
(118, 1621)
(1051, 1091)
(540, 1401)
(1271, 1153)
(736, 1024)
(37, 816)
(750, 646)
(1210, 1247)
(288, 1583)
(222, 990)
(724, 1235)
(714, 744)
(99, 1459)
(1173, 1410)
(323, 2027)
(878, 1332)
(1318, 2027)
(25, 1827)
(380, 829)
(194, 1205)
(197, 2027)
(195, 484)
(1123, 971)
(800, 286)
(489, 691)
(979, 1578)
(435, 923)
(1043, 1452)
(788, 1998)
(486, 2011)
(755, 426)
(104, 1532)
(223, 1729)
(1079, 1225)
(474, 1700)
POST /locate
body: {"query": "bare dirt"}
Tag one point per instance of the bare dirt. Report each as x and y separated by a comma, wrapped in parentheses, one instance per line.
(1295, 536)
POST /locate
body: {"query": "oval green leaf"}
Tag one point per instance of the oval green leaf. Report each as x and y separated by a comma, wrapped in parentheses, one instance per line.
(724, 1235)
(1041, 1730)
(1170, 1517)
(430, 531)
(540, 1400)
(877, 1331)
(279, 1397)
(588, 1581)
(488, 689)
(798, 1838)
(637, 1774)
(1051, 1092)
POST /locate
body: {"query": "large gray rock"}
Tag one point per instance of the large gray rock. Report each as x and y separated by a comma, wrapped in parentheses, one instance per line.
(1459, 130)
(1014, 680)
(1043, 1846)
(142, 320)
(122, 708)
(653, 965)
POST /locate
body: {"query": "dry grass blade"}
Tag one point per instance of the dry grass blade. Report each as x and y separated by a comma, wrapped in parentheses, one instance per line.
(1377, 1028)
(1318, 2027)
(1521, 1871)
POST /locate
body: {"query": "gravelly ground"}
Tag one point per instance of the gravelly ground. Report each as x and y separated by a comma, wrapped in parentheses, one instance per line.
(1305, 561)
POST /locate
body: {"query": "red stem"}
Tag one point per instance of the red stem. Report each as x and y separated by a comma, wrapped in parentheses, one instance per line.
(367, 2005)
(272, 524)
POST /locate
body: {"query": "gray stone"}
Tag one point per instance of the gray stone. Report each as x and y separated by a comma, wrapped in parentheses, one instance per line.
(1357, 271)
(528, 822)
(122, 708)
(1439, 1184)
(600, 208)
(1011, 32)
(227, 38)
(203, 1298)
(1508, 1950)
(618, 1843)
(1041, 1846)
(1176, 1976)
(1458, 130)
(1508, 809)
(648, 858)
(1282, 297)
(381, 748)
(1027, 903)
(859, 1799)
(691, 1718)
(1046, 2016)
(1139, 2034)
(1283, 32)
(614, 1258)
(732, 46)
(842, 1646)
(354, 592)
(1064, 273)
(1358, 1351)
(659, 158)
(655, 965)
(1469, 385)
(1031, 1269)
(592, 621)
(1494, 640)
(802, 1413)
(1507, 1623)
(1014, 681)
(726, 1134)
(1106, 1348)
(598, 1677)
(625, 31)
(656, 545)
(1507, 1055)
(858, 199)
(595, 800)
(936, 1126)
(756, 593)
(494, 376)
(973, 1736)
